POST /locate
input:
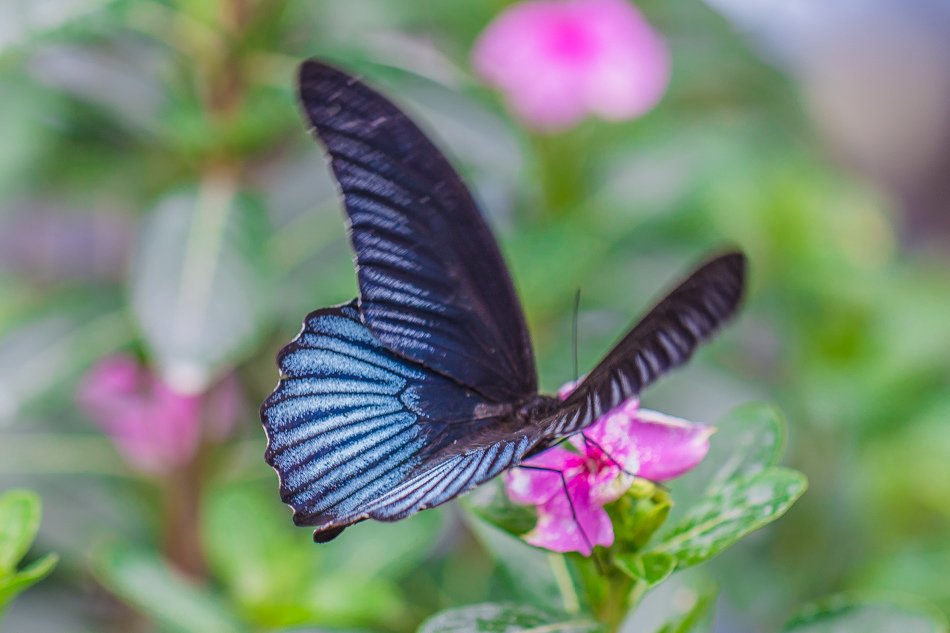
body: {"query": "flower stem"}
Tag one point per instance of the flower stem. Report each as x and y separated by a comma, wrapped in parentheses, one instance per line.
(561, 173)
(182, 520)
(609, 592)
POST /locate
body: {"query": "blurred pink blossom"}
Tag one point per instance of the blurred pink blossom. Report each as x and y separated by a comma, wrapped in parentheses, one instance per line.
(645, 443)
(559, 60)
(154, 427)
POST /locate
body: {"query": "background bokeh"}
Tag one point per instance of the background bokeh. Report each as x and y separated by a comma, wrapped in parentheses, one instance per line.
(159, 198)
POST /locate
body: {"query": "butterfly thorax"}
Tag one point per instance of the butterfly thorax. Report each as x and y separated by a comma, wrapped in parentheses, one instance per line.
(538, 407)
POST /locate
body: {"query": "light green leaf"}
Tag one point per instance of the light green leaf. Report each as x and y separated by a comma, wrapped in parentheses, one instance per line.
(26, 577)
(199, 286)
(698, 612)
(682, 603)
(20, 514)
(505, 618)
(748, 440)
(845, 615)
(23, 20)
(152, 586)
(40, 354)
(273, 570)
(650, 568)
(738, 508)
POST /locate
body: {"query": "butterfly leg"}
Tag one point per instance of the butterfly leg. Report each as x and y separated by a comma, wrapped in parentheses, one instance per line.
(567, 494)
(591, 442)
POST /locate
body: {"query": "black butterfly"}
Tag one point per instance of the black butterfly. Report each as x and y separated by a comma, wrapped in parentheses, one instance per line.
(425, 386)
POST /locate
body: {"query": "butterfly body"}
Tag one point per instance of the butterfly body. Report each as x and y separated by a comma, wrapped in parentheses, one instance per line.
(425, 386)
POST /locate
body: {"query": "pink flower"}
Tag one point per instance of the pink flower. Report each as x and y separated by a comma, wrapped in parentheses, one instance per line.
(559, 60)
(626, 440)
(154, 427)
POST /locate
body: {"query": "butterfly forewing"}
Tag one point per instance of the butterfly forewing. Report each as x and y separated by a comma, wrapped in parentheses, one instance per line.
(664, 339)
(433, 285)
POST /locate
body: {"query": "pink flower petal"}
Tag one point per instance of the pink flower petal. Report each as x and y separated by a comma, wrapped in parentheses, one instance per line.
(154, 427)
(563, 529)
(609, 440)
(557, 61)
(624, 441)
(535, 487)
(668, 446)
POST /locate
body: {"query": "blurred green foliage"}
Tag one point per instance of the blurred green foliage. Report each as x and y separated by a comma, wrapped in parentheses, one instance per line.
(19, 523)
(154, 171)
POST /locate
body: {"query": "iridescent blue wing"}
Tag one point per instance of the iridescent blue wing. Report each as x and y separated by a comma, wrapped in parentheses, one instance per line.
(662, 340)
(355, 431)
(433, 285)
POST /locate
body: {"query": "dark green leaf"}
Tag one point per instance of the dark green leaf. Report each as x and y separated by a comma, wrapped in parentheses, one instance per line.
(493, 506)
(536, 576)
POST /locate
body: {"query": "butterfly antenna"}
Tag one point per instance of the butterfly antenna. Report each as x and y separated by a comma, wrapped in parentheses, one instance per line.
(577, 305)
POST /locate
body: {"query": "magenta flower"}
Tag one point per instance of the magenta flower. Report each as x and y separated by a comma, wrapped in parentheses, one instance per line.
(626, 440)
(558, 61)
(155, 428)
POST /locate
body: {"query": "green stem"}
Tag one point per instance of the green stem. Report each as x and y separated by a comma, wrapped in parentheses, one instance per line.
(607, 589)
(616, 604)
(560, 173)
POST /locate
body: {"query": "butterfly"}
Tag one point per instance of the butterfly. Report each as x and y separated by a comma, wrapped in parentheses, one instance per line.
(425, 386)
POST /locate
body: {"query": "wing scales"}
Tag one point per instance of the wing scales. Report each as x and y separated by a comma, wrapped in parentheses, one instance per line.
(356, 432)
(433, 285)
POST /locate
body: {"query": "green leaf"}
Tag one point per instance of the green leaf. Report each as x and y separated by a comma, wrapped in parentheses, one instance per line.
(149, 584)
(650, 568)
(278, 577)
(39, 569)
(682, 603)
(492, 505)
(737, 509)
(20, 514)
(505, 618)
(24, 21)
(748, 440)
(52, 346)
(698, 611)
(199, 287)
(535, 576)
(843, 614)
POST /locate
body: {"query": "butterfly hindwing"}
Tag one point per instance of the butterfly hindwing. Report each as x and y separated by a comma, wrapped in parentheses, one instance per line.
(664, 339)
(355, 431)
(433, 285)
